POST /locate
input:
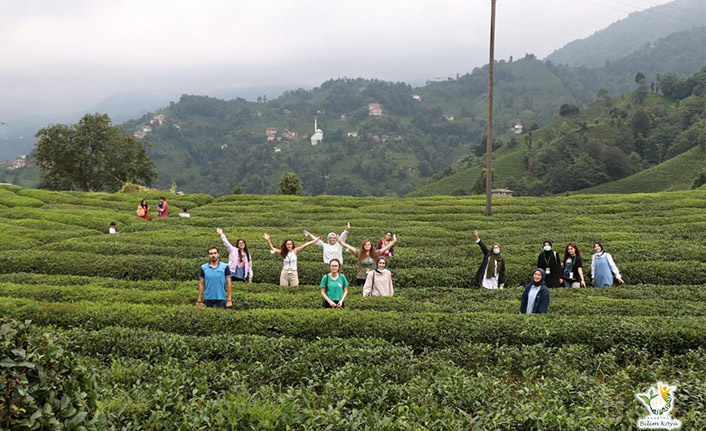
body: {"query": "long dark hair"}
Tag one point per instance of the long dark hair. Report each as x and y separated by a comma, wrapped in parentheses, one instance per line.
(283, 248)
(576, 247)
(145, 203)
(245, 249)
(372, 253)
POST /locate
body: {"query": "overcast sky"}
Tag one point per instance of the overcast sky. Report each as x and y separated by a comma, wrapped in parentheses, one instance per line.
(63, 56)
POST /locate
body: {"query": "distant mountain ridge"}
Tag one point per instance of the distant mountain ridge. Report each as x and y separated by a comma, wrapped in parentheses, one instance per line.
(632, 33)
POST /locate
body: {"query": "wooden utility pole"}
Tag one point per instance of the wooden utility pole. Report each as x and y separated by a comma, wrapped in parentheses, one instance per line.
(489, 143)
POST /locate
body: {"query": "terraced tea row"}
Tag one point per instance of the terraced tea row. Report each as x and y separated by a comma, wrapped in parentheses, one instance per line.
(433, 357)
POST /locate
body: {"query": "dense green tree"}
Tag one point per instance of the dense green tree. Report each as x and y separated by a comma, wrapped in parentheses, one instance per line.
(91, 155)
(290, 184)
(568, 109)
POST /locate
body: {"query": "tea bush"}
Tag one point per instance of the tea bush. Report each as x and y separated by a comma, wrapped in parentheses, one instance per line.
(437, 356)
(41, 386)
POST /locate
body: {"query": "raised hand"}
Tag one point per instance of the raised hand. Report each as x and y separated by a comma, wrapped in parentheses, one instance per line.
(348, 226)
(476, 233)
(266, 236)
(219, 231)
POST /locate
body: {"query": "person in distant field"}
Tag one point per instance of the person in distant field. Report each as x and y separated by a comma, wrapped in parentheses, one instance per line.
(535, 298)
(239, 259)
(549, 261)
(215, 285)
(113, 229)
(184, 213)
(367, 258)
(491, 273)
(379, 280)
(332, 248)
(573, 266)
(288, 251)
(603, 268)
(383, 243)
(162, 208)
(334, 286)
(143, 210)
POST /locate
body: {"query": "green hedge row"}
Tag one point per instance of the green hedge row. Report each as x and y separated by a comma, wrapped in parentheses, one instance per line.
(420, 330)
(151, 267)
(449, 298)
(446, 302)
(374, 384)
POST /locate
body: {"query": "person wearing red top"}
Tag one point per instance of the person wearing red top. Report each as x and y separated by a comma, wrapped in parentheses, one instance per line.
(389, 237)
(162, 208)
(143, 210)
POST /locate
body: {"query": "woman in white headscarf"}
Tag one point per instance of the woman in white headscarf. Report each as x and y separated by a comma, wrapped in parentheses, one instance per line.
(379, 280)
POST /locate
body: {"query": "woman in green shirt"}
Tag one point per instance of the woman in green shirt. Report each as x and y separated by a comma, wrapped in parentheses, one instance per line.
(334, 286)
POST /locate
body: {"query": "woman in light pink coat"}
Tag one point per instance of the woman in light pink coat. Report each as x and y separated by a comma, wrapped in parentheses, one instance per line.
(379, 281)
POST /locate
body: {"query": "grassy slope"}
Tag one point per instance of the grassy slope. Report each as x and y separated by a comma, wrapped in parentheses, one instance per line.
(509, 165)
(676, 173)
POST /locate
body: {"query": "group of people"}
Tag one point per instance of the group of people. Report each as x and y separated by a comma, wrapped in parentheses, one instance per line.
(216, 278)
(143, 209)
(551, 271)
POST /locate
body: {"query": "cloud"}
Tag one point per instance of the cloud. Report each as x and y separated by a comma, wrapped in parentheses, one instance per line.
(69, 53)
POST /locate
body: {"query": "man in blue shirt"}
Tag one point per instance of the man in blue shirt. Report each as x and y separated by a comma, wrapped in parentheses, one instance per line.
(214, 282)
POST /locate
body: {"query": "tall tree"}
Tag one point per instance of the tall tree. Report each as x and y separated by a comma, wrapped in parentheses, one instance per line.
(290, 184)
(91, 155)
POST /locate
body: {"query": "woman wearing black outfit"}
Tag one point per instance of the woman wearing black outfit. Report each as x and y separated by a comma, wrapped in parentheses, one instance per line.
(550, 262)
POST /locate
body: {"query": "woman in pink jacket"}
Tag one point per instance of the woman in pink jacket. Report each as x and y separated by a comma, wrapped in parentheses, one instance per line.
(379, 280)
(239, 259)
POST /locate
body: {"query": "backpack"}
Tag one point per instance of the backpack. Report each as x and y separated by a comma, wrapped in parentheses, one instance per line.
(140, 212)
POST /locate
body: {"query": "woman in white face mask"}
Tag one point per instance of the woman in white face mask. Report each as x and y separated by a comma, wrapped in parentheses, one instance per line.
(491, 273)
(550, 262)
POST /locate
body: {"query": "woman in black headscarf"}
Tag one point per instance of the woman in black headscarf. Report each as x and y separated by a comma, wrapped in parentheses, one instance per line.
(535, 298)
(550, 262)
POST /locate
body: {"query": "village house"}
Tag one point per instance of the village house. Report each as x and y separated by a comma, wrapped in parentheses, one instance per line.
(20, 162)
(352, 134)
(375, 110)
(518, 128)
(501, 192)
(158, 119)
(271, 133)
(449, 117)
(416, 97)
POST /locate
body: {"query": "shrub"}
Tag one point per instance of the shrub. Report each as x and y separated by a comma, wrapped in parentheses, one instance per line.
(41, 387)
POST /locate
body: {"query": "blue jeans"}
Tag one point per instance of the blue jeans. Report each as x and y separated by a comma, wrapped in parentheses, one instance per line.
(214, 303)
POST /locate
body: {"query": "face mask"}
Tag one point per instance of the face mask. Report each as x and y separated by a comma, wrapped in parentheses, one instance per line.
(496, 250)
(547, 248)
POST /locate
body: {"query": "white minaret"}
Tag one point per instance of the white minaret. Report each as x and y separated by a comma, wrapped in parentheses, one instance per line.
(318, 135)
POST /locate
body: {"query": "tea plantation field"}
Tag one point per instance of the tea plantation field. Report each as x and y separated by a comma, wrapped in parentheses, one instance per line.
(438, 356)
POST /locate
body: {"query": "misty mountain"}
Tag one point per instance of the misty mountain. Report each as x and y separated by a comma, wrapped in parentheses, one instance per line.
(212, 145)
(632, 33)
